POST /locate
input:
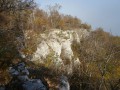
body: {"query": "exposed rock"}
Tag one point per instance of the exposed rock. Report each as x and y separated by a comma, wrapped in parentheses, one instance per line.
(64, 84)
(2, 88)
(21, 81)
(59, 42)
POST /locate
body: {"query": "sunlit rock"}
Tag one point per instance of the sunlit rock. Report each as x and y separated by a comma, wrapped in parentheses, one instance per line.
(59, 43)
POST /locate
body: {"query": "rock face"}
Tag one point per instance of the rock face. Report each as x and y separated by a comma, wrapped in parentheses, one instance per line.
(64, 84)
(2, 88)
(21, 81)
(57, 44)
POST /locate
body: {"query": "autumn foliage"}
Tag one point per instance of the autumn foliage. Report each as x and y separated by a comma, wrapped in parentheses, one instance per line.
(21, 22)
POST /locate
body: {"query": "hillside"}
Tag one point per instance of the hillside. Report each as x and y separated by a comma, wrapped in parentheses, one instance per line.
(40, 46)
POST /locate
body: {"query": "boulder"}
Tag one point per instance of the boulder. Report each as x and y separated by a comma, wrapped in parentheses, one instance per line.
(64, 84)
(21, 80)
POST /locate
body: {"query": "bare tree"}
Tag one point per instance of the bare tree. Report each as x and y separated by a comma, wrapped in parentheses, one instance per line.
(54, 15)
(98, 49)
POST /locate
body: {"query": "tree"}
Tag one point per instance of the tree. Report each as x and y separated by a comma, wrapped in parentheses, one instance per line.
(54, 15)
(12, 40)
(99, 50)
(99, 64)
(41, 20)
(16, 5)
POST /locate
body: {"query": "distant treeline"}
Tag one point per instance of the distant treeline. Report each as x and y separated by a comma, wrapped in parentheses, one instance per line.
(26, 14)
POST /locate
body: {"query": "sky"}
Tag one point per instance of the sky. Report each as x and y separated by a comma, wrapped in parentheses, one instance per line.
(97, 13)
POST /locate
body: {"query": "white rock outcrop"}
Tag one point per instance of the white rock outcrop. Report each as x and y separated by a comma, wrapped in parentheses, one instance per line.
(58, 42)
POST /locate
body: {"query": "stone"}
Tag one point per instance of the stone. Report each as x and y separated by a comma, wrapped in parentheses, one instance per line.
(20, 75)
(60, 43)
(64, 84)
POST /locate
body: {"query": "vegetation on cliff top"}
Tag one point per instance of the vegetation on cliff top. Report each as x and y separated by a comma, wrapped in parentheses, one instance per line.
(99, 53)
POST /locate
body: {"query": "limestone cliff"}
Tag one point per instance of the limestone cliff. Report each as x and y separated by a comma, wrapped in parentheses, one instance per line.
(55, 47)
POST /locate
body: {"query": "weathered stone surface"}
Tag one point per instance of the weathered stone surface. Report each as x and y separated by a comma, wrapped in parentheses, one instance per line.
(21, 79)
(58, 42)
(2, 88)
(64, 84)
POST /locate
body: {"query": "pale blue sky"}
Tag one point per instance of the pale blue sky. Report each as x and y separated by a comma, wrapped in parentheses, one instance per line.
(98, 13)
